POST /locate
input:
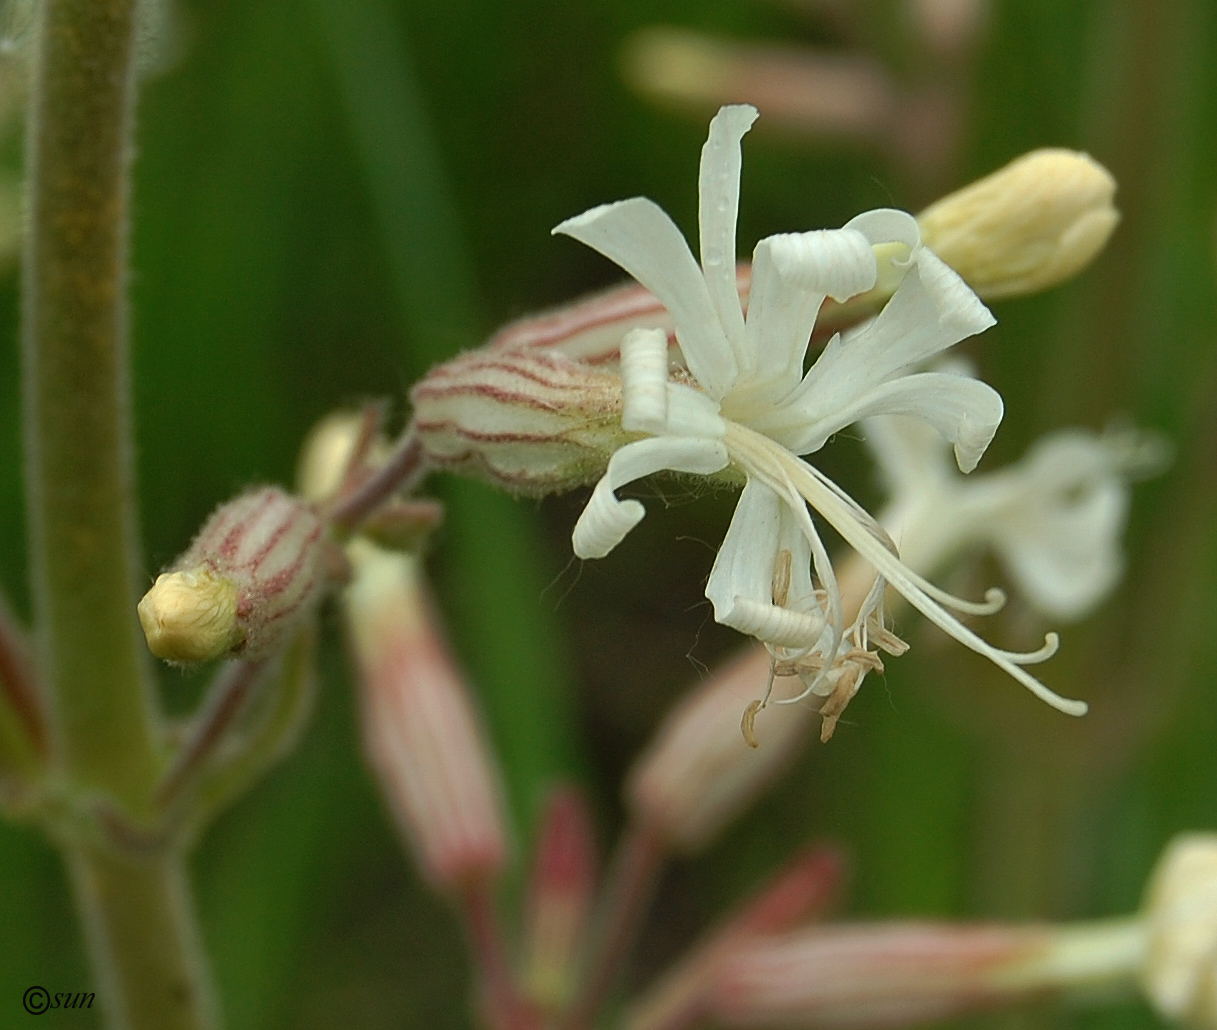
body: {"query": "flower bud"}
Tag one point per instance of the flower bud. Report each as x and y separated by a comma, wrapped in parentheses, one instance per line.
(533, 421)
(1026, 227)
(252, 575)
(559, 898)
(327, 452)
(875, 975)
(1180, 974)
(700, 773)
(804, 90)
(422, 733)
(190, 616)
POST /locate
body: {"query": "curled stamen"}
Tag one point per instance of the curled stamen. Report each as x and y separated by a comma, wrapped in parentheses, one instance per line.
(779, 471)
(748, 722)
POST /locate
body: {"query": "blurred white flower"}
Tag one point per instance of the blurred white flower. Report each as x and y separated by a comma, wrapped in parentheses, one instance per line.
(743, 399)
(1054, 519)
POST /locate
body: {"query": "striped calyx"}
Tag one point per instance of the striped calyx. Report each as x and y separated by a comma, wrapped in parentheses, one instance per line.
(529, 420)
(253, 573)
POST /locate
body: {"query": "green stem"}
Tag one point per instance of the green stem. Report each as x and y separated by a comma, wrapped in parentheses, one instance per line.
(79, 478)
(157, 978)
(104, 726)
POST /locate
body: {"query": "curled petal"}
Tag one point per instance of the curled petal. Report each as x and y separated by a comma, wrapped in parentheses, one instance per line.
(642, 239)
(644, 380)
(606, 520)
(966, 412)
(791, 275)
(741, 583)
(933, 309)
(887, 225)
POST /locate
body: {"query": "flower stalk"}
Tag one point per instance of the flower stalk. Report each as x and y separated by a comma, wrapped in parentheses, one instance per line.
(103, 725)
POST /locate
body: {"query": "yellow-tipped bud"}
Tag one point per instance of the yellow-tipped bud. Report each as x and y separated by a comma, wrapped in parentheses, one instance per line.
(1028, 226)
(190, 616)
(257, 569)
(1180, 974)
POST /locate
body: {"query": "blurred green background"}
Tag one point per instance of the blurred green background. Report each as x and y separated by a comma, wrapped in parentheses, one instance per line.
(331, 196)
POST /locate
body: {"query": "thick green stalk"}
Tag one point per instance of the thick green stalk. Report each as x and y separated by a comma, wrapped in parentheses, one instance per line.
(79, 478)
(140, 928)
(100, 693)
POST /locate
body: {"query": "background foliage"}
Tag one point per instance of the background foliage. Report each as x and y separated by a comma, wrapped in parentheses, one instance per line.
(332, 196)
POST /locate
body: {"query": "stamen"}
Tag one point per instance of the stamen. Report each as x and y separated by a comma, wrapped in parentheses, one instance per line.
(781, 578)
(748, 722)
(776, 467)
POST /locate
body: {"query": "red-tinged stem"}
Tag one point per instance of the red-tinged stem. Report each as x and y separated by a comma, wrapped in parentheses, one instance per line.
(18, 679)
(801, 892)
(633, 875)
(403, 470)
(504, 1006)
(227, 696)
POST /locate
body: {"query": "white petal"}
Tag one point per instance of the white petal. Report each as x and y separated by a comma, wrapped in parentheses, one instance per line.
(966, 412)
(605, 521)
(741, 583)
(692, 413)
(642, 239)
(718, 193)
(644, 380)
(1061, 545)
(933, 309)
(887, 225)
(791, 276)
(910, 454)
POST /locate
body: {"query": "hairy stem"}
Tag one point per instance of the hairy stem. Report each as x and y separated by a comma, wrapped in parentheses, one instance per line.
(146, 906)
(104, 727)
(79, 479)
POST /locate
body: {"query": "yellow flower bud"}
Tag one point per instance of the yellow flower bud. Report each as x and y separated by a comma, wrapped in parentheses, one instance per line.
(1028, 226)
(190, 616)
(256, 570)
(1180, 974)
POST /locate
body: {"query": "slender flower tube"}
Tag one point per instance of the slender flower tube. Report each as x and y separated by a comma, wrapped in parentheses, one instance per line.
(699, 773)
(903, 974)
(559, 899)
(742, 399)
(254, 573)
(422, 732)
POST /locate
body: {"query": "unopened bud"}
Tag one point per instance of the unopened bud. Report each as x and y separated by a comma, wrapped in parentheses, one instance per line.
(700, 772)
(423, 736)
(1028, 226)
(804, 90)
(532, 421)
(253, 573)
(559, 898)
(904, 974)
(1181, 915)
(327, 451)
(190, 616)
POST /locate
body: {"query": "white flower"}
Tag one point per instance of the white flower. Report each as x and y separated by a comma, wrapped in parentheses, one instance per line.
(743, 398)
(1054, 518)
